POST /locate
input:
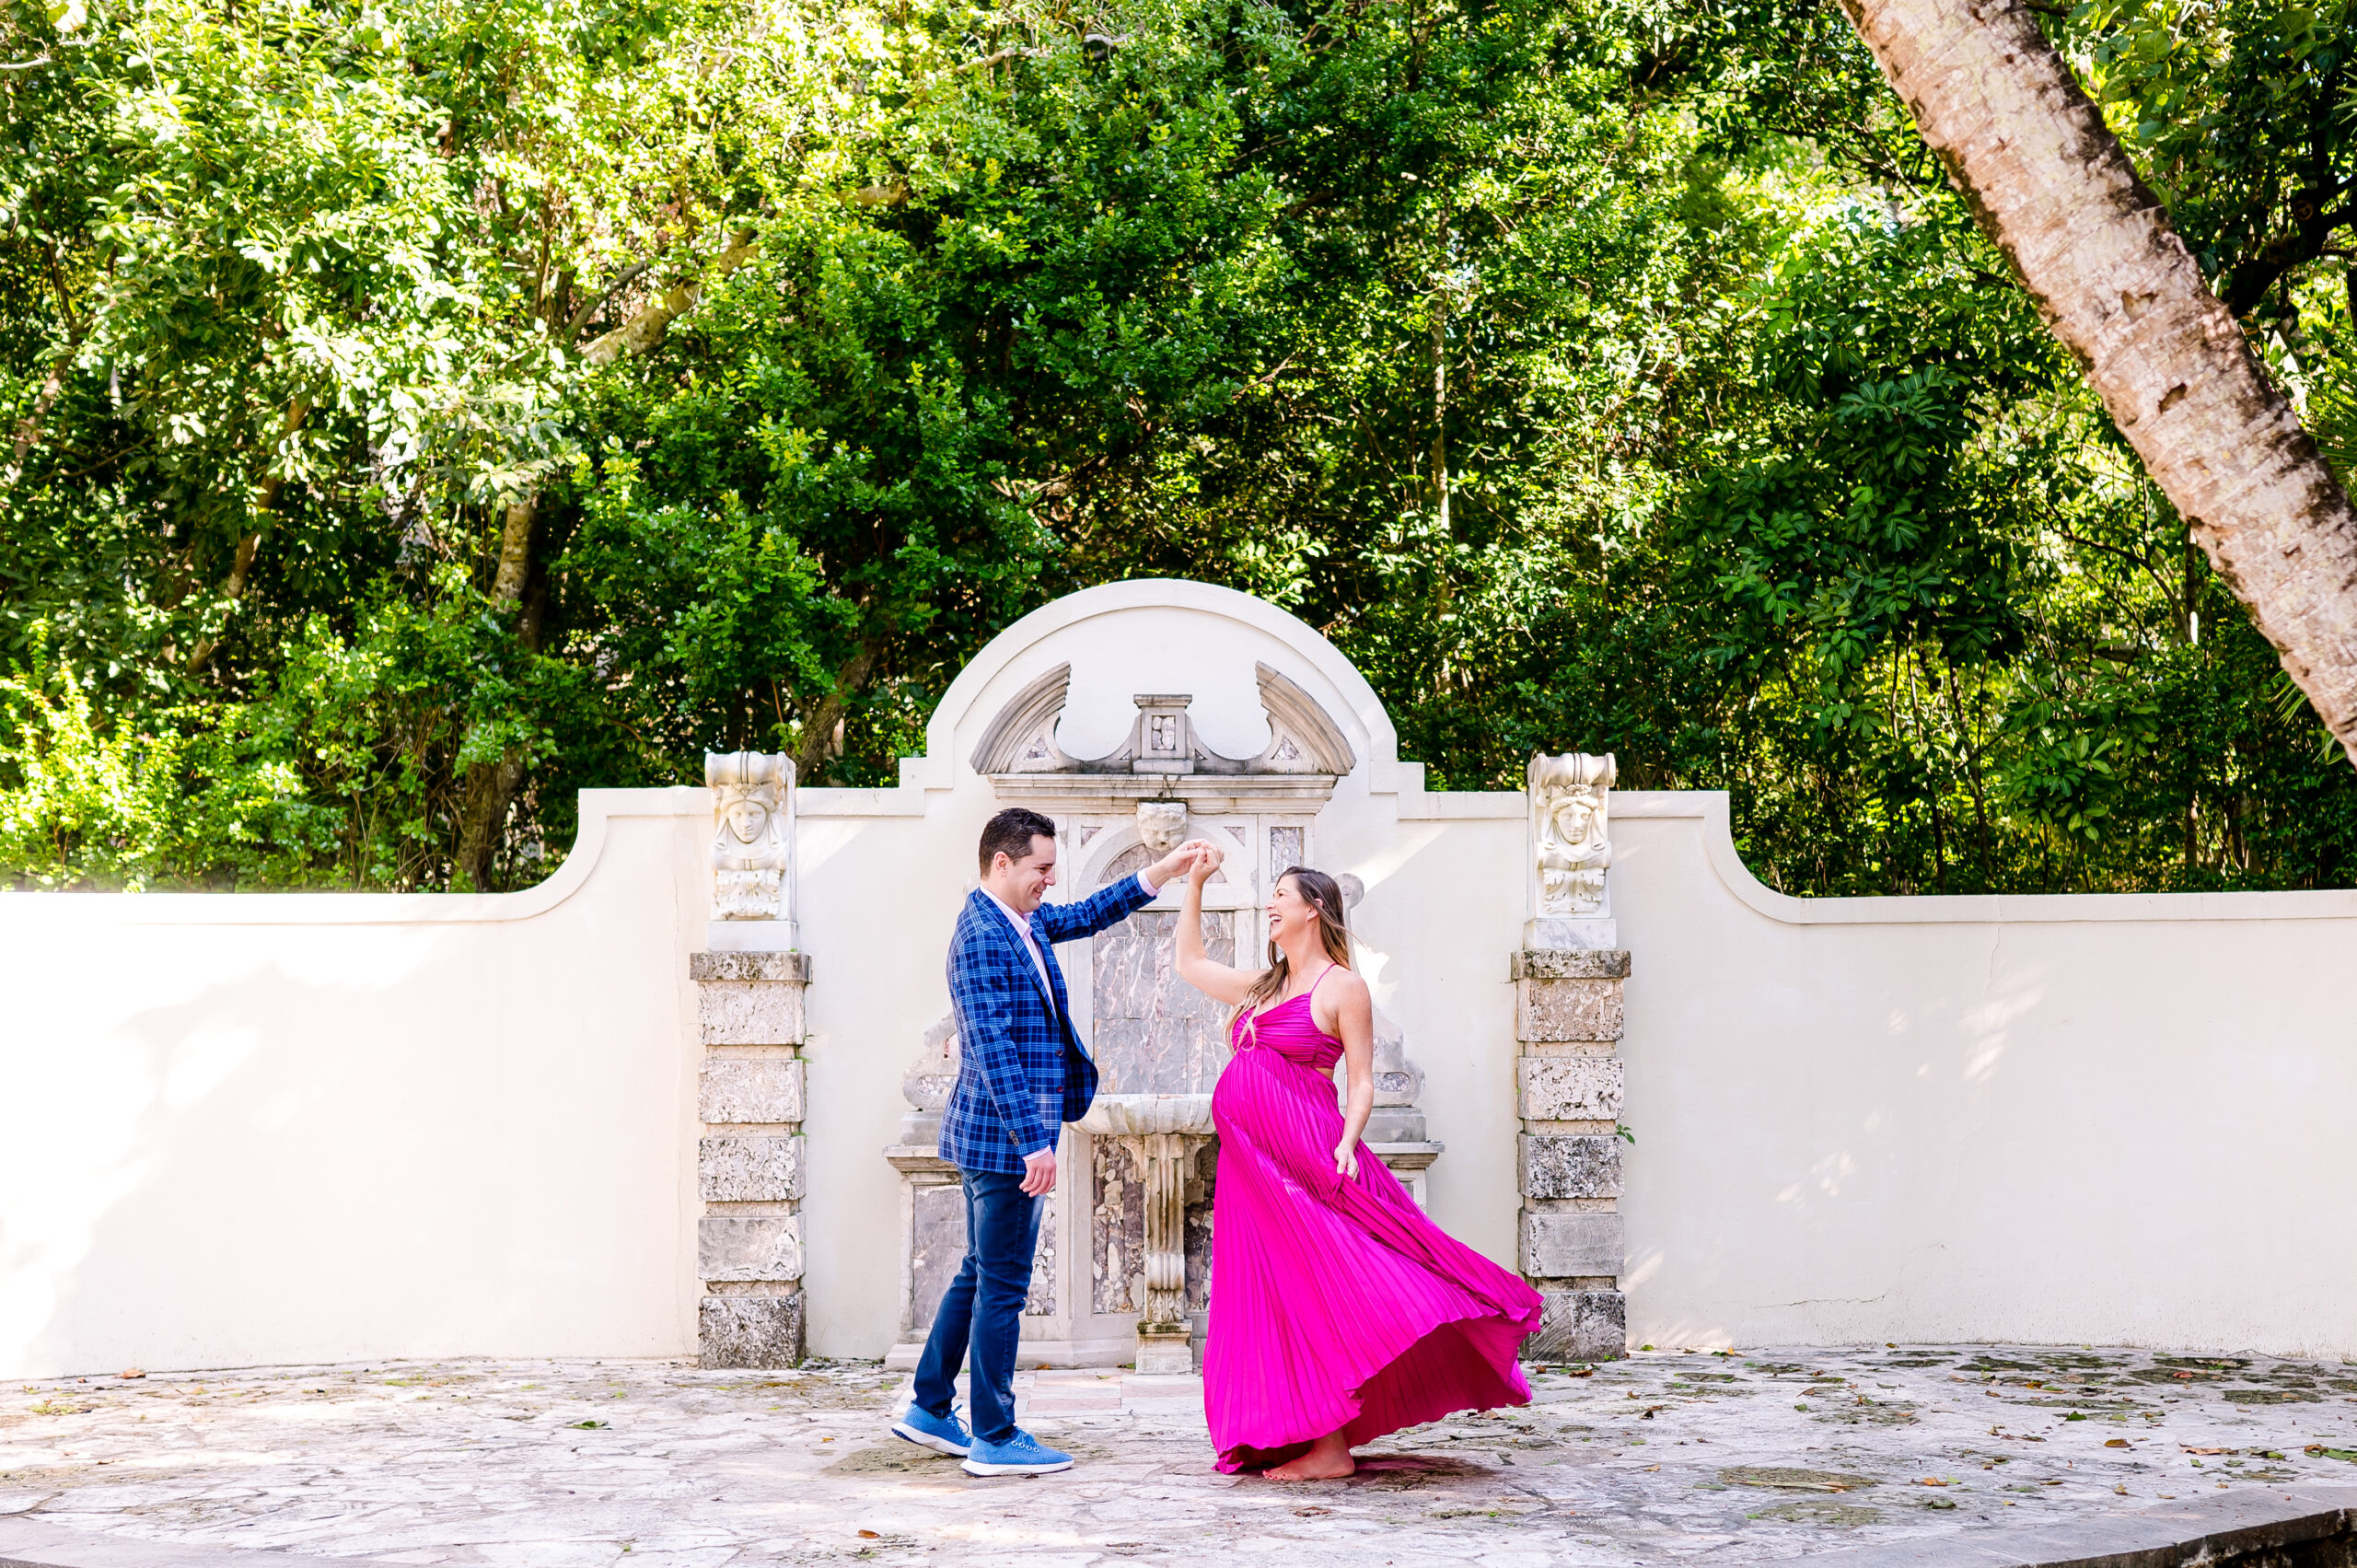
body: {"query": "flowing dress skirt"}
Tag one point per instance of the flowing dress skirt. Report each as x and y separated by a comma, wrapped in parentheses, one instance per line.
(1335, 1305)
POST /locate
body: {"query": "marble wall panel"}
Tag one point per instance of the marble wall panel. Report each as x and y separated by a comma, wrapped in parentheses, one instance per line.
(1284, 852)
(1041, 1302)
(937, 1249)
(1153, 1033)
(1116, 1230)
(1199, 1227)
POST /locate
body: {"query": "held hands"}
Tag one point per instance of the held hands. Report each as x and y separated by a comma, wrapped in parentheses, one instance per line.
(1346, 1159)
(1187, 860)
(1039, 1173)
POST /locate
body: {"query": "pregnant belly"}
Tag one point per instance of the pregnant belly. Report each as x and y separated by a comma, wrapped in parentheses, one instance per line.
(1279, 1106)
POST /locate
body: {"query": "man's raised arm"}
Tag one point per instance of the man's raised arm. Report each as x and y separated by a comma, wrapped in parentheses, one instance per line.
(1068, 922)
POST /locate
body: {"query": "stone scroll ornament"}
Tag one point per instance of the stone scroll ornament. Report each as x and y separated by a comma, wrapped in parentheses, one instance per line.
(752, 794)
(1571, 847)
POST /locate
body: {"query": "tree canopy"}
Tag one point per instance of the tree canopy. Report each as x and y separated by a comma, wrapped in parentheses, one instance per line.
(421, 412)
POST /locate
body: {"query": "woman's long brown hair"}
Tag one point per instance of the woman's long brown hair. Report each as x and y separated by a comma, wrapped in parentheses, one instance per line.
(1325, 895)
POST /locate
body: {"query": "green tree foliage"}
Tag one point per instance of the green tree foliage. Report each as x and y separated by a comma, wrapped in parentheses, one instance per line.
(420, 413)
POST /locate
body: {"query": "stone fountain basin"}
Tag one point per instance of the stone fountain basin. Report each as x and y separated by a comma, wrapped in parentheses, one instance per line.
(1135, 1115)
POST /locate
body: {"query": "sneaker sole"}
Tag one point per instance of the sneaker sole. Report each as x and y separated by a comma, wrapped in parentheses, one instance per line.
(903, 1430)
(975, 1467)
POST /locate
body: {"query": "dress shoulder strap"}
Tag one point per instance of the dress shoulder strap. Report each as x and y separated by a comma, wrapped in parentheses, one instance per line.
(1314, 985)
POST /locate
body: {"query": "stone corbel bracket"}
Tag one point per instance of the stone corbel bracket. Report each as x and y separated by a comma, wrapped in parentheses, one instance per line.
(1571, 851)
(1568, 1082)
(749, 1095)
(752, 852)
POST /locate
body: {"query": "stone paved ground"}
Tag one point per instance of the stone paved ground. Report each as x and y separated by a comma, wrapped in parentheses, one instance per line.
(1723, 1456)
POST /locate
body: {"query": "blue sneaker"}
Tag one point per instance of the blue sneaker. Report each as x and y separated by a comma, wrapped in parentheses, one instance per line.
(942, 1433)
(1021, 1454)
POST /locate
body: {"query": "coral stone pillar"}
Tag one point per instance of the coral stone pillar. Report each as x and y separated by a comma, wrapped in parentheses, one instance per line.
(749, 1163)
(1567, 1014)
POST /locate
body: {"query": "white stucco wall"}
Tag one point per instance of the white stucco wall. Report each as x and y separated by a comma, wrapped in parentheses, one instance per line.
(241, 1130)
(2054, 1120)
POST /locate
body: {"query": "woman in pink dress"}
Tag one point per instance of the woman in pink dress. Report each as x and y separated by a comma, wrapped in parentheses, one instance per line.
(1337, 1311)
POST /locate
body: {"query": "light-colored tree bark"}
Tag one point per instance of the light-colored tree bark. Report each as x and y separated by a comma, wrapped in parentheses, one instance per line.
(643, 332)
(2054, 188)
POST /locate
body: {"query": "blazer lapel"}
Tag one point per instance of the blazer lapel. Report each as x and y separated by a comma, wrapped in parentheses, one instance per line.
(997, 920)
(1055, 973)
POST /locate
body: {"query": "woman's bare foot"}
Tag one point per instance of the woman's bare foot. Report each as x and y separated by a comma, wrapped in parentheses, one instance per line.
(1329, 1460)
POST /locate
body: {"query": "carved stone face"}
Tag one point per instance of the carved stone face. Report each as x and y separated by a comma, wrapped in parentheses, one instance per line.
(1162, 824)
(1573, 815)
(747, 818)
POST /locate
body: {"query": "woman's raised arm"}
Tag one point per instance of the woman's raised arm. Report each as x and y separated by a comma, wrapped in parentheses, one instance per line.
(1196, 966)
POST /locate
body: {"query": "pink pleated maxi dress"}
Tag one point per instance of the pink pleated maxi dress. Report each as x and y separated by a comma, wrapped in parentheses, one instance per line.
(1335, 1305)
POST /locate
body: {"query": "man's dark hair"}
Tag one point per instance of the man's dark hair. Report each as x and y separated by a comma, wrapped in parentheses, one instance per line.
(1010, 833)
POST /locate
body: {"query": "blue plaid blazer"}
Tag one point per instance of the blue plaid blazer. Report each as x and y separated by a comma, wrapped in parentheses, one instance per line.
(1021, 1067)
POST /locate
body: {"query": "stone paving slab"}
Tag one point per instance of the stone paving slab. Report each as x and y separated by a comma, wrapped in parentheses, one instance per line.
(1936, 1455)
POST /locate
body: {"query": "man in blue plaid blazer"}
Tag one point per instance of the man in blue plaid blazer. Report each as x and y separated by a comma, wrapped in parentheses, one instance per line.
(1022, 1072)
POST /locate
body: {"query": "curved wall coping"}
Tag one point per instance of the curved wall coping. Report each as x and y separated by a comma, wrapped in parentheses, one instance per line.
(599, 808)
(1961, 909)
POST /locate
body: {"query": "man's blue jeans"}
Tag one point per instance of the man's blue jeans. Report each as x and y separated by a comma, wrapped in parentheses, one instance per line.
(982, 1312)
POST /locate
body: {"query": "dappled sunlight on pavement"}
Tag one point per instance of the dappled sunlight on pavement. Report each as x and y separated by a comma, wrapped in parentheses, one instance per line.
(576, 1464)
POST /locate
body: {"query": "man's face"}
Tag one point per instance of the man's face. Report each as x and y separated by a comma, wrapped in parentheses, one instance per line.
(1022, 884)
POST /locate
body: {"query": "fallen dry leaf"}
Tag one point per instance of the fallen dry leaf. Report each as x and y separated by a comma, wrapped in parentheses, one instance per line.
(2115, 1442)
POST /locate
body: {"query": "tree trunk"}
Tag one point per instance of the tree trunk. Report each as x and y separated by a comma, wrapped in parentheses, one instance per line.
(645, 328)
(1440, 419)
(2054, 189)
(241, 561)
(490, 786)
(29, 428)
(819, 729)
(482, 812)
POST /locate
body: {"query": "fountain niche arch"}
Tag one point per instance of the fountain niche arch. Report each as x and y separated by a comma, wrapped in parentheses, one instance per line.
(1124, 1273)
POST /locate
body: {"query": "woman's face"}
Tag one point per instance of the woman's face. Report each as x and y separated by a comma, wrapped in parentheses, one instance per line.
(1289, 912)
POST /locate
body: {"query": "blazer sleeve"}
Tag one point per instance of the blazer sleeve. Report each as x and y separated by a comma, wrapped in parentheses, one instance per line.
(983, 992)
(1070, 923)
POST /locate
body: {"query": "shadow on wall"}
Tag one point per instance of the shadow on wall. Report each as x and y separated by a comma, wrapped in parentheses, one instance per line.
(185, 1162)
(191, 1190)
(1882, 1144)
